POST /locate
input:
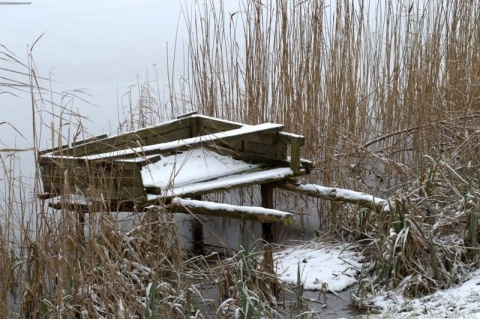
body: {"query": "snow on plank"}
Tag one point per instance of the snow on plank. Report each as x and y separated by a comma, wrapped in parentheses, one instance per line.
(261, 214)
(336, 194)
(192, 166)
(226, 183)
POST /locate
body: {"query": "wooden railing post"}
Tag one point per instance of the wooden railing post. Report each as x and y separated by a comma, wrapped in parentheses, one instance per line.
(295, 155)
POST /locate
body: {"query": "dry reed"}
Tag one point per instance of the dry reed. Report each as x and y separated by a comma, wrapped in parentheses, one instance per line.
(383, 93)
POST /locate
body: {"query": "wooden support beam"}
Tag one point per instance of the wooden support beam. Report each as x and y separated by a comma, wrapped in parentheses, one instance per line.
(81, 226)
(182, 116)
(241, 133)
(295, 156)
(335, 194)
(229, 182)
(197, 233)
(267, 202)
(189, 206)
(162, 133)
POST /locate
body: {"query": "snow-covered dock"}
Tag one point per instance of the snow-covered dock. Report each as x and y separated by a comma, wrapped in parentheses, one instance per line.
(184, 158)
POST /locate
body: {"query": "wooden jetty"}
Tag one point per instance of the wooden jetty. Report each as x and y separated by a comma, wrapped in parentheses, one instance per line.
(174, 163)
(152, 166)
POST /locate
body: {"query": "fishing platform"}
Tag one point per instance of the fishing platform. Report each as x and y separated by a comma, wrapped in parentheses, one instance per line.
(172, 165)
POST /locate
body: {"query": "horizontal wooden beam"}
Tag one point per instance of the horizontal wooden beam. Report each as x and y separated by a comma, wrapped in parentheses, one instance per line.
(287, 138)
(260, 214)
(226, 183)
(240, 133)
(335, 194)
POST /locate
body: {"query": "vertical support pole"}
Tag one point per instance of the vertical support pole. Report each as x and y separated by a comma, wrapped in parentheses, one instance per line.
(81, 225)
(194, 126)
(295, 155)
(197, 233)
(267, 202)
(269, 268)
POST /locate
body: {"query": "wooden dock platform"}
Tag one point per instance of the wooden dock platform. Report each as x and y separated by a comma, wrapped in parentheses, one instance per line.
(171, 162)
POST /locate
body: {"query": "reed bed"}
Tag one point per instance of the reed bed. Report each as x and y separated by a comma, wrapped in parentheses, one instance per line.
(387, 98)
(373, 89)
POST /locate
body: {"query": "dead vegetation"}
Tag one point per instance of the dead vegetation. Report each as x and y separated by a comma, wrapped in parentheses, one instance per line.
(387, 97)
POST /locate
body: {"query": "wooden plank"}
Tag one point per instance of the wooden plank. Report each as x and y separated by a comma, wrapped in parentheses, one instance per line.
(58, 149)
(267, 202)
(240, 154)
(89, 140)
(189, 143)
(164, 132)
(118, 180)
(296, 141)
(142, 161)
(272, 146)
(295, 155)
(212, 125)
(335, 194)
(265, 215)
(167, 131)
(209, 125)
(287, 138)
(266, 148)
(230, 182)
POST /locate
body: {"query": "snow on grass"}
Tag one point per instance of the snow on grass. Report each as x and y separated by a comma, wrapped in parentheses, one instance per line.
(462, 301)
(338, 266)
(319, 263)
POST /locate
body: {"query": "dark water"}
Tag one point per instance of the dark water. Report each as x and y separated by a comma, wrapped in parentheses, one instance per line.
(228, 235)
(335, 307)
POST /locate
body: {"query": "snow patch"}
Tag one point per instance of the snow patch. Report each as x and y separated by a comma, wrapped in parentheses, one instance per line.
(319, 263)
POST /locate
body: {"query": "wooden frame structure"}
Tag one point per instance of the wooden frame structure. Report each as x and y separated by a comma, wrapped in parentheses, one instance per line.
(111, 170)
(114, 172)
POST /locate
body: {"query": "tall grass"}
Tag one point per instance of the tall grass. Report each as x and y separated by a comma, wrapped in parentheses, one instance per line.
(386, 94)
(373, 87)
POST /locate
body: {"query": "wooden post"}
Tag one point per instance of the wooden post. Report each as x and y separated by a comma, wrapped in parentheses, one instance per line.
(269, 268)
(197, 233)
(267, 202)
(295, 155)
(81, 225)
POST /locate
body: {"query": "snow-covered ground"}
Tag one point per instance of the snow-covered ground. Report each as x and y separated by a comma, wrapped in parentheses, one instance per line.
(462, 301)
(338, 266)
(318, 264)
